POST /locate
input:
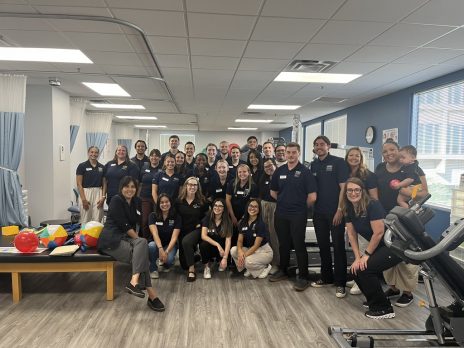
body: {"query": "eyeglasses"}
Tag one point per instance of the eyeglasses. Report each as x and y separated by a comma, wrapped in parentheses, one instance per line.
(192, 185)
(218, 206)
(355, 190)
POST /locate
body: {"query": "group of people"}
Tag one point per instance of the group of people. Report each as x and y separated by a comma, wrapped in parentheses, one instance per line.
(247, 210)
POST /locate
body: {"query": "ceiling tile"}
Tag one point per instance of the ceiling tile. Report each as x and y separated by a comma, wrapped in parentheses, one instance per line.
(253, 79)
(124, 69)
(355, 68)
(274, 50)
(79, 68)
(24, 66)
(377, 10)
(84, 3)
(453, 40)
(213, 47)
(349, 32)
(169, 5)
(286, 29)
(74, 10)
(204, 62)
(17, 8)
(68, 25)
(429, 56)
(445, 12)
(177, 77)
(28, 38)
(381, 54)
(458, 61)
(403, 34)
(257, 64)
(24, 24)
(99, 41)
(240, 7)
(220, 26)
(162, 23)
(326, 52)
(173, 61)
(164, 44)
(204, 78)
(114, 58)
(281, 89)
(301, 8)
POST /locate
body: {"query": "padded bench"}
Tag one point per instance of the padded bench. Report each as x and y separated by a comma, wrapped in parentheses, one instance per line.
(88, 261)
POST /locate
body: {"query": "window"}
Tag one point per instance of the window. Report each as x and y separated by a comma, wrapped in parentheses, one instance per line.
(335, 130)
(439, 125)
(311, 132)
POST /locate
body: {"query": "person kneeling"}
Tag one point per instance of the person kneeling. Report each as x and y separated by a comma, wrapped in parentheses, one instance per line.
(253, 251)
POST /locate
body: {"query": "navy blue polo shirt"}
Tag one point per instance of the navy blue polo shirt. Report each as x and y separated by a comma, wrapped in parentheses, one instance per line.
(204, 178)
(147, 174)
(140, 163)
(293, 187)
(240, 197)
(362, 224)
(412, 171)
(233, 169)
(329, 174)
(214, 231)
(114, 173)
(216, 189)
(167, 184)
(370, 182)
(265, 188)
(165, 227)
(250, 231)
(91, 176)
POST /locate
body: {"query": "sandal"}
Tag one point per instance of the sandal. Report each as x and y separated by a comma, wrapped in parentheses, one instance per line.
(191, 277)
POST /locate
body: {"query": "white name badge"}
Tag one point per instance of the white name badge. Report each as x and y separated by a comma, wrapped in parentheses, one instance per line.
(147, 170)
(165, 179)
(266, 183)
(283, 177)
(158, 223)
(244, 228)
(329, 168)
(218, 190)
(112, 164)
(254, 234)
(230, 167)
(138, 213)
(88, 169)
(240, 192)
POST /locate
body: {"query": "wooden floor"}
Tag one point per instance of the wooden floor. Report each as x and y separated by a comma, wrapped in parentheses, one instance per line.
(70, 310)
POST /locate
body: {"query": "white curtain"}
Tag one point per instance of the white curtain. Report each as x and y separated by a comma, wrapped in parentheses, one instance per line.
(12, 108)
(77, 108)
(98, 129)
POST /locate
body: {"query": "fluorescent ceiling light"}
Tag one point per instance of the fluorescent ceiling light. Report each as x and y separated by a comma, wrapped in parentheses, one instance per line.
(315, 77)
(241, 128)
(252, 121)
(148, 126)
(273, 107)
(107, 89)
(52, 55)
(117, 106)
(137, 117)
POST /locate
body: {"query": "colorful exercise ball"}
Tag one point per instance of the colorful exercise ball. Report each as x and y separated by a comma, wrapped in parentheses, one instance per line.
(88, 235)
(26, 241)
(53, 236)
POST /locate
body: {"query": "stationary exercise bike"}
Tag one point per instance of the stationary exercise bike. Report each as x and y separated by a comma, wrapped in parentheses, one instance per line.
(405, 235)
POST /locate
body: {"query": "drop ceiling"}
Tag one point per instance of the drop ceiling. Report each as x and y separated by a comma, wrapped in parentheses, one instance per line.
(219, 56)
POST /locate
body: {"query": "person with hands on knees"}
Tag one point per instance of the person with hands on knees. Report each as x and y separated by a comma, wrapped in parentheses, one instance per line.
(164, 226)
(364, 216)
(120, 240)
(253, 252)
(216, 235)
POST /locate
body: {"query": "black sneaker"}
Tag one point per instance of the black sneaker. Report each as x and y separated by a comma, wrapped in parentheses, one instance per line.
(392, 293)
(381, 314)
(135, 290)
(405, 300)
(301, 284)
(277, 277)
(156, 305)
(320, 283)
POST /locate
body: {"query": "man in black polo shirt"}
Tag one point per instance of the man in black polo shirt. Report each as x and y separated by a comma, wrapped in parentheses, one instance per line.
(140, 159)
(174, 143)
(331, 173)
(294, 188)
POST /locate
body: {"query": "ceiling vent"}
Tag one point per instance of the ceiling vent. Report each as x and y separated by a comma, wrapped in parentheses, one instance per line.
(251, 113)
(329, 100)
(310, 66)
(99, 101)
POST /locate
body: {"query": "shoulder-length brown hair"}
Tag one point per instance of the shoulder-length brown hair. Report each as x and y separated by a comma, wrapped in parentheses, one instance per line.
(199, 198)
(227, 227)
(362, 172)
(360, 208)
(237, 180)
(127, 159)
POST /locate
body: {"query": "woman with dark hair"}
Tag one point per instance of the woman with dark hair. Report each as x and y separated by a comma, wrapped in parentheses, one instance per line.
(119, 240)
(166, 181)
(202, 173)
(164, 224)
(115, 170)
(364, 216)
(254, 162)
(216, 234)
(181, 167)
(192, 208)
(147, 174)
(253, 251)
(235, 160)
(91, 187)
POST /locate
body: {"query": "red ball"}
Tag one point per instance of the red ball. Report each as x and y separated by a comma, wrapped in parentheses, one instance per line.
(26, 242)
(393, 183)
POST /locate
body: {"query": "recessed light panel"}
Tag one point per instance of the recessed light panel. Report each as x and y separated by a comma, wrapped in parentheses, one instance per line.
(245, 120)
(118, 106)
(137, 117)
(273, 107)
(148, 126)
(241, 128)
(286, 76)
(51, 55)
(107, 89)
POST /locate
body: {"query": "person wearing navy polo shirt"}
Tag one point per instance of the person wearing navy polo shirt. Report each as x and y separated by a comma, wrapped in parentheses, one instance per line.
(331, 173)
(234, 160)
(140, 159)
(223, 151)
(211, 153)
(202, 172)
(166, 181)
(294, 188)
(92, 192)
(219, 179)
(189, 149)
(174, 143)
(115, 170)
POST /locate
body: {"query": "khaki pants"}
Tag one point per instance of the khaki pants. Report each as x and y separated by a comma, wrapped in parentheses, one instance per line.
(403, 276)
(93, 194)
(256, 262)
(267, 213)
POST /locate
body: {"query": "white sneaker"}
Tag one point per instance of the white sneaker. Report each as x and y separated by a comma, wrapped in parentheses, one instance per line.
(265, 272)
(274, 270)
(350, 284)
(247, 274)
(355, 290)
(154, 275)
(207, 273)
(220, 269)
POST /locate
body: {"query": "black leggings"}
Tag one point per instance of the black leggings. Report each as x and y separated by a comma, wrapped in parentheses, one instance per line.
(209, 252)
(187, 247)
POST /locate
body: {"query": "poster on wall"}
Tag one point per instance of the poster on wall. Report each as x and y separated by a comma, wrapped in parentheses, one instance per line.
(390, 134)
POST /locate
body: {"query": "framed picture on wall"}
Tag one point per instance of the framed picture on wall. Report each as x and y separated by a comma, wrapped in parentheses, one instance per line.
(390, 134)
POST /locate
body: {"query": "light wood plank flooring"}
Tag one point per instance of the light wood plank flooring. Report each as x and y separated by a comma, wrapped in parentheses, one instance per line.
(70, 310)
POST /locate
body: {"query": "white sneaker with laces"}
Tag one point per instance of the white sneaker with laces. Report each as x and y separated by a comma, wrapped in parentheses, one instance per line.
(265, 272)
(154, 275)
(247, 274)
(207, 273)
(355, 290)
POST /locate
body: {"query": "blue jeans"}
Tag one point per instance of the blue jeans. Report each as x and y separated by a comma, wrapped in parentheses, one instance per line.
(153, 254)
